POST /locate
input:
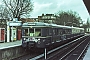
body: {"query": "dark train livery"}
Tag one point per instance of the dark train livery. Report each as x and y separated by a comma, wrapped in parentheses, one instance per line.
(41, 35)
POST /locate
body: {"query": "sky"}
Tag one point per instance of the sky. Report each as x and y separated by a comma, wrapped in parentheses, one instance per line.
(53, 6)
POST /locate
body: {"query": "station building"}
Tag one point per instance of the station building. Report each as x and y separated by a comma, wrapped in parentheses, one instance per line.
(13, 30)
(47, 18)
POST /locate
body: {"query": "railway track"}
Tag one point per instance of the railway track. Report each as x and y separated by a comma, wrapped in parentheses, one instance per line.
(75, 51)
(63, 51)
(53, 54)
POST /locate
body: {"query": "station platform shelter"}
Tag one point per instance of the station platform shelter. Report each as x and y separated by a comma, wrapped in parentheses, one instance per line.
(14, 30)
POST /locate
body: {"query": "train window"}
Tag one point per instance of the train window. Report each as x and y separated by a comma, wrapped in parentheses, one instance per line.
(53, 31)
(70, 31)
(26, 32)
(31, 32)
(45, 32)
(50, 31)
(60, 32)
(65, 31)
(37, 32)
(56, 31)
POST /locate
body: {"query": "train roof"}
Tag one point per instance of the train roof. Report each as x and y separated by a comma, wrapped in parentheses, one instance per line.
(35, 24)
(41, 24)
(77, 28)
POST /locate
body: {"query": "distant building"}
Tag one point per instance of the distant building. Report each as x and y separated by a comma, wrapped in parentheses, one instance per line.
(28, 20)
(87, 30)
(48, 18)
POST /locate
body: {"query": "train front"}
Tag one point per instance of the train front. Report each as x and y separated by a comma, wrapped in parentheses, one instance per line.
(32, 37)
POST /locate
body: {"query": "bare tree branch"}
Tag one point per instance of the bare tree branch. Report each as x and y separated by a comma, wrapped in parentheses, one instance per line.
(19, 7)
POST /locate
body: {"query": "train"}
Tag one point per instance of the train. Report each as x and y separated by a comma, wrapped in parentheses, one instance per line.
(42, 35)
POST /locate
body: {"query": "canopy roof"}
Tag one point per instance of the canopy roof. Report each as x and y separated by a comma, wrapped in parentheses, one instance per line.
(87, 4)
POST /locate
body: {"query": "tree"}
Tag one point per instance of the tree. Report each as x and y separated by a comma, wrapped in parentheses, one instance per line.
(68, 18)
(18, 8)
(88, 23)
(4, 13)
(86, 26)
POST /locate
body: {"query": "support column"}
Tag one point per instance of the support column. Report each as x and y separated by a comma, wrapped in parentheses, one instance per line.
(8, 34)
(45, 53)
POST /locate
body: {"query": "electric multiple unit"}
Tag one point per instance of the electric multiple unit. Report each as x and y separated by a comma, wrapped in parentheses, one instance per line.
(41, 35)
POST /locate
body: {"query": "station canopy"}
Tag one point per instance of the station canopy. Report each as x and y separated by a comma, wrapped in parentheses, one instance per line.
(87, 4)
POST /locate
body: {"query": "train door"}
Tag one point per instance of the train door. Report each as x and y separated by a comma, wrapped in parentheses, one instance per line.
(53, 36)
(13, 34)
(45, 32)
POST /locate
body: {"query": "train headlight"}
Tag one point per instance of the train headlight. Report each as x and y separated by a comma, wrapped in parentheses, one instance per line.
(38, 39)
(24, 39)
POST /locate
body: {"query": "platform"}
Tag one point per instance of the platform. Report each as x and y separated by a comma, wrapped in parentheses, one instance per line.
(11, 50)
(10, 44)
(87, 56)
